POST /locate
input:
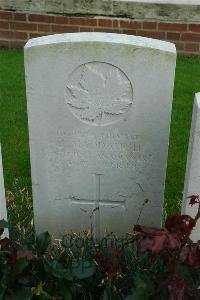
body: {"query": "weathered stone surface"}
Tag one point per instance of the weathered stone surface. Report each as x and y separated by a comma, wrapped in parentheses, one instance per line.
(157, 11)
(99, 109)
(103, 7)
(3, 210)
(53, 6)
(168, 10)
(192, 177)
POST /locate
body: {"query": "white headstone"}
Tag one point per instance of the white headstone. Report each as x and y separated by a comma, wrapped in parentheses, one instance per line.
(3, 210)
(192, 176)
(99, 108)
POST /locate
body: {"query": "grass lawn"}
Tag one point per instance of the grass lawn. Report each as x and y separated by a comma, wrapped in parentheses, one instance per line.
(13, 119)
(14, 132)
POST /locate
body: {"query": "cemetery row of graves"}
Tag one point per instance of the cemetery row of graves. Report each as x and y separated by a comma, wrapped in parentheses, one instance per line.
(85, 130)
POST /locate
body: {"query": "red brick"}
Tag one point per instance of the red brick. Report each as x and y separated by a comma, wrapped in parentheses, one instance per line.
(183, 53)
(114, 30)
(6, 15)
(72, 29)
(44, 28)
(61, 20)
(131, 32)
(179, 46)
(17, 44)
(190, 37)
(86, 29)
(6, 34)
(23, 26)
(173, 36)
(192, 47)
(101, 29)
(19, 16)
(4, 44)
(108, 30)
(189, 54)
(41, 18)
(172, 26)
(4, 25)
(152, 34)
(13, 35)
(192, 54)
(194, 27)
(149, 25)
(20, 35)
(105, 22)
(130, 24)
(59, 28)
(35, 35)
(116, 23)
(83, 21)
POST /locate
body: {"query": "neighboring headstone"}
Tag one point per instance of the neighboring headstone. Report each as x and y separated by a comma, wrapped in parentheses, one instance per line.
(99, 108)
(192, 176)
(3, 210)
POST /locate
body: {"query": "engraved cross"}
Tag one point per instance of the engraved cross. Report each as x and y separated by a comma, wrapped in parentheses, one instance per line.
(97, 202)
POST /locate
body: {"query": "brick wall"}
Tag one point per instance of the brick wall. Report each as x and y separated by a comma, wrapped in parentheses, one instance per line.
(16, 28)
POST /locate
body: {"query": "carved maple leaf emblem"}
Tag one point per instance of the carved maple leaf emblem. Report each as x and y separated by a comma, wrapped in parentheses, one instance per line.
(102, 93)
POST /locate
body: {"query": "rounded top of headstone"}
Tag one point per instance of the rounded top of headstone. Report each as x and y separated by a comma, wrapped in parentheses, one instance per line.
(197, 100)
(113, 38)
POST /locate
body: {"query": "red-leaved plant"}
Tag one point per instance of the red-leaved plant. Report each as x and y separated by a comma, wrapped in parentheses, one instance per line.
(173, 245)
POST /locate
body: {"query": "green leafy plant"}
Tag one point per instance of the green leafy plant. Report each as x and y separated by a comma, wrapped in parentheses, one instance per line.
(148, 263)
